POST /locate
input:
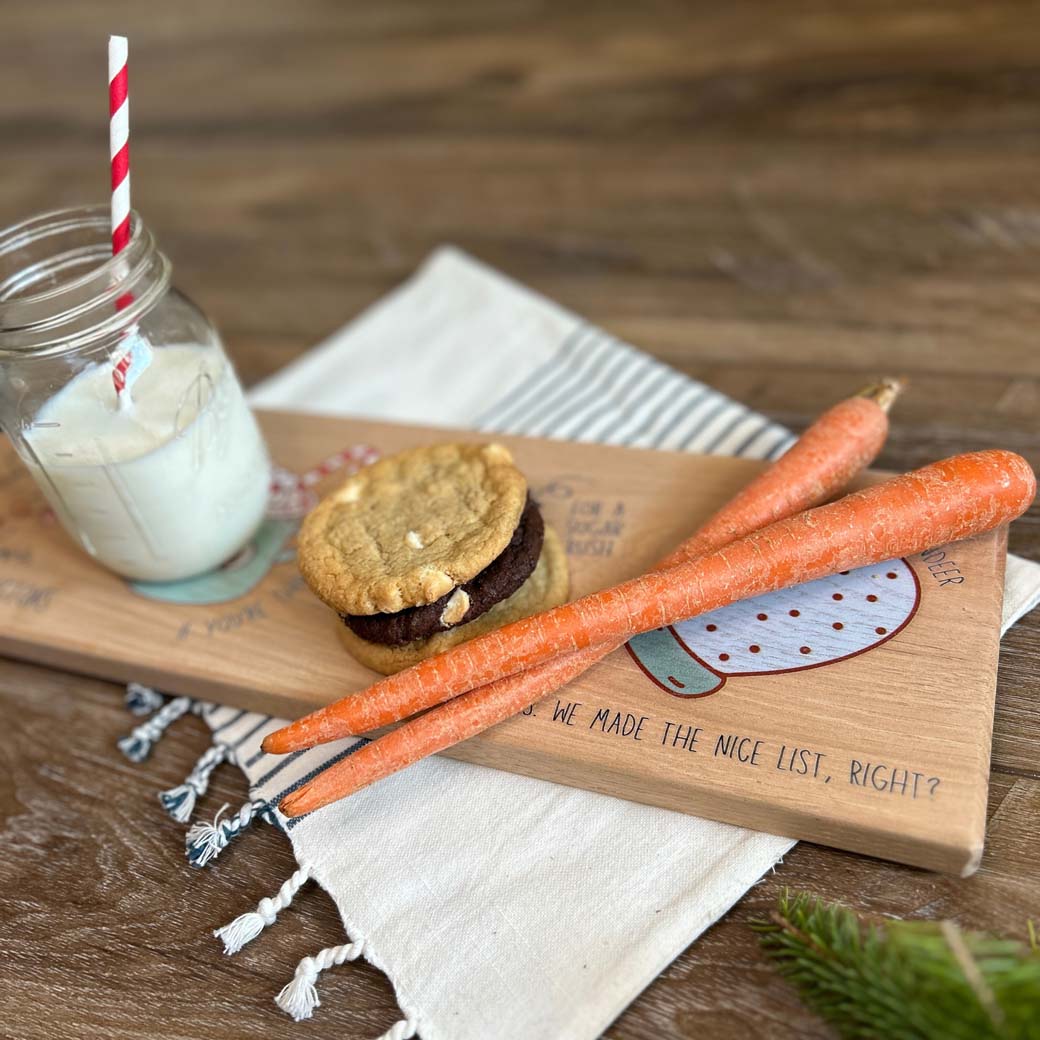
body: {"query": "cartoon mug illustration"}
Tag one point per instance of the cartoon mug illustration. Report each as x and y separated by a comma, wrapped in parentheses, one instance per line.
(292, 497)
(807, 626)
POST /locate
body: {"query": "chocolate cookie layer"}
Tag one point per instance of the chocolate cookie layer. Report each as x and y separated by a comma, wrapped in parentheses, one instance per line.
(496, 582)
(547, 587)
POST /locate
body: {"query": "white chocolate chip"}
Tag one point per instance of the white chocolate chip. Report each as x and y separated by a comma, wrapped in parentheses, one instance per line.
(435, 583)
(455, 609)
(350, 492)
(497, 455)
(413, 540)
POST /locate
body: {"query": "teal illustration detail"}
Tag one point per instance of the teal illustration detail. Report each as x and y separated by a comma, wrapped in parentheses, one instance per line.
(239, 575)
(662, 657)
(808, 626)
(292, 497)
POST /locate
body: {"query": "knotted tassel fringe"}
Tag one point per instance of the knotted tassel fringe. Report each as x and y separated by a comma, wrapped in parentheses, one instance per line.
(138, 744)
(299, 998)
(179, 801)
(403, 1030)
(141, 700)
(247, 927)
(206, 841)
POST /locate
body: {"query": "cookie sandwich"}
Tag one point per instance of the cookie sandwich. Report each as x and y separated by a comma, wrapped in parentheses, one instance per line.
(426, 549)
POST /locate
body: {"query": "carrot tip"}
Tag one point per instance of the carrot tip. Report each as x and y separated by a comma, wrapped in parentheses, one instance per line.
(884, 392)
(290, 805)
(276, 743)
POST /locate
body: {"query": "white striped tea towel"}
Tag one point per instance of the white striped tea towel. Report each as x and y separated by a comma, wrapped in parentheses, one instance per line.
(499, 906)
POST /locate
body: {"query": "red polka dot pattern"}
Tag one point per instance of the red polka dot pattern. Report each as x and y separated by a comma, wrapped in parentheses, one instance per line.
(806, 626)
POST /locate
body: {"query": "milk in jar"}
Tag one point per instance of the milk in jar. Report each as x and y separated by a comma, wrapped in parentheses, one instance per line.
(166, 486)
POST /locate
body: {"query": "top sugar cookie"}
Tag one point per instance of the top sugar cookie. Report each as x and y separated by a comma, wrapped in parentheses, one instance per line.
(411, 527)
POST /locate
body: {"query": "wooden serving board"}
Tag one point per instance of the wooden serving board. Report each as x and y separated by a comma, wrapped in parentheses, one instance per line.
(855, 712)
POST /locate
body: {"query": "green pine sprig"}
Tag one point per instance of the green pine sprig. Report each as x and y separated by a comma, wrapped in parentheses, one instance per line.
(904, 980)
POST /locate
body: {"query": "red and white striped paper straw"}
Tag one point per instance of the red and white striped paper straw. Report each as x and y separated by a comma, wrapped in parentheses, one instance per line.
(139, 355)
(119, 140)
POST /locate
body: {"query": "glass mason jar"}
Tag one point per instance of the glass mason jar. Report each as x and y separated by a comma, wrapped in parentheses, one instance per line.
(168, 478)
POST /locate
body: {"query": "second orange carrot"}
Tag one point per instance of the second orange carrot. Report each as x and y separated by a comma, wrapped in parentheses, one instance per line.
(827, 456)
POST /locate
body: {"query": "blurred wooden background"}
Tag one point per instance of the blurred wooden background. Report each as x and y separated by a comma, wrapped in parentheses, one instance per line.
(780, 199)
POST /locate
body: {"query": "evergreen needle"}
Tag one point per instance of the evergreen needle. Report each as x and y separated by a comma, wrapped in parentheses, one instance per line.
(904, 980)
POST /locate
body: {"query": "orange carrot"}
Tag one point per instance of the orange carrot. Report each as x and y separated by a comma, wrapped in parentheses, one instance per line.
(941, 503)
(462, 717)
(842, 441)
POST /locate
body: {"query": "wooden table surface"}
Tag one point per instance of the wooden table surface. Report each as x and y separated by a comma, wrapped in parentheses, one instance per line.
(780, 199)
